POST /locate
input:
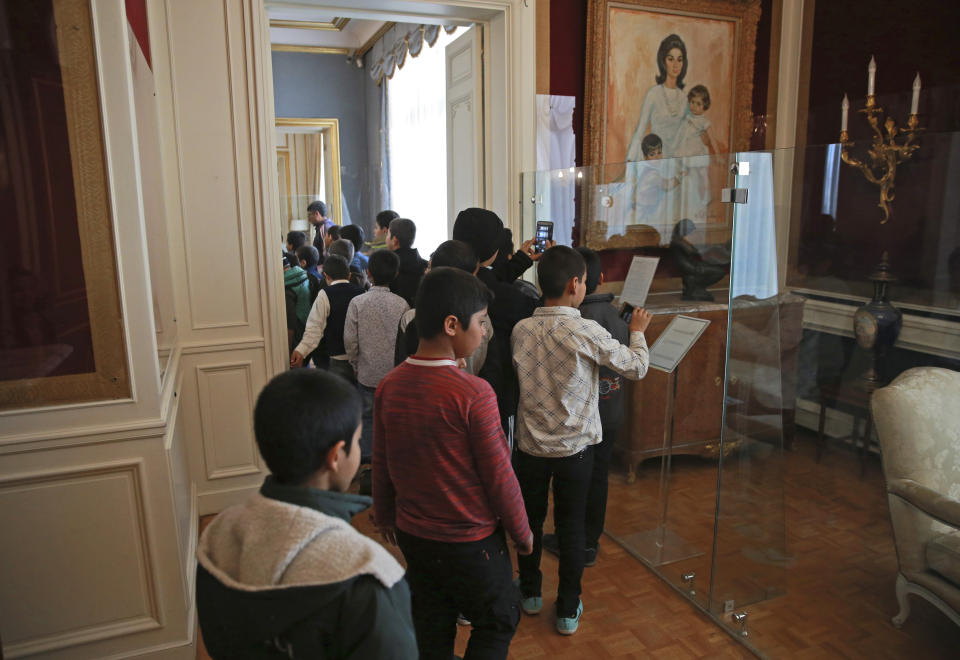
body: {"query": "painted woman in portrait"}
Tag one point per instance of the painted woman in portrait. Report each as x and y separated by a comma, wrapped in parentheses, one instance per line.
(665, 104)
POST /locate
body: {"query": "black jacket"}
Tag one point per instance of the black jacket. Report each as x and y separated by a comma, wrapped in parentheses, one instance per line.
(597, 307)
(408, 277)
(356, 617)
(509, 306)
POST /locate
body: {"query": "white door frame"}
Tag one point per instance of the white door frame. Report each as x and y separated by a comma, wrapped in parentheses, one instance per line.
(510, 47)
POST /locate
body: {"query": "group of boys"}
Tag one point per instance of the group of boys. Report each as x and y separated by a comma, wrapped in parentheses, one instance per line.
(286, 574)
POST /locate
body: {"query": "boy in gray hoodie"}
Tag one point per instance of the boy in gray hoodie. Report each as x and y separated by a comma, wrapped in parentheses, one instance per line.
(284, 574)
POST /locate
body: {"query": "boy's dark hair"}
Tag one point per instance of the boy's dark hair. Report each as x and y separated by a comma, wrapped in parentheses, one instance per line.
(297, 239)
(341, 248)
(557, 266)
(384, 218)
(319, 207)
(309, 254)
(454, 254)
(354, 234)
(594, 268)
(649, 143)
(336, 267)
(299, 416)
(444, 292)
(404, 231)
(383, 266)
(702, 92)
(333, 232)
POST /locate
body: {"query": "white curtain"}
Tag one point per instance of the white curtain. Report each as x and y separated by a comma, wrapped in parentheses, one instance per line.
(417, 143)
(754, 268)
(556, 155)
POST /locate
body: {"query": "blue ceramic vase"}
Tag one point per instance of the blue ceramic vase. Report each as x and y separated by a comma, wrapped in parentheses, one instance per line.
(877, 324)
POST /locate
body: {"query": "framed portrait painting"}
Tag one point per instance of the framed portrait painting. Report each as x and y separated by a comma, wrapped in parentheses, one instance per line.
(668, 97)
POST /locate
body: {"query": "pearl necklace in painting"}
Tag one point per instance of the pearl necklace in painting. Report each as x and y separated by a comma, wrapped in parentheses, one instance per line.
(676, 106)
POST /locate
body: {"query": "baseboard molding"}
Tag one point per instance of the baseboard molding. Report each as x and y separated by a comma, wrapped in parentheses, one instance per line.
(179, 650)
(837, 424)
(218, 500)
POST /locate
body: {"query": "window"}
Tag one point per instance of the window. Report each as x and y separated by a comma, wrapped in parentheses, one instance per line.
(417, 140)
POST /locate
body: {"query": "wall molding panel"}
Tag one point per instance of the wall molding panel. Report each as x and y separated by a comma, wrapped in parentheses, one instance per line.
(920, 333)
(45, 577)
(226, 414)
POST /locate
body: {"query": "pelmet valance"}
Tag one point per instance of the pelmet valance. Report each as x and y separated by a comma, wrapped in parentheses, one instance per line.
(412, 43)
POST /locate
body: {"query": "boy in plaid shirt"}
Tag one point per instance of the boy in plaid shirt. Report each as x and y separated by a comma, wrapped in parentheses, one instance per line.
(558, 355)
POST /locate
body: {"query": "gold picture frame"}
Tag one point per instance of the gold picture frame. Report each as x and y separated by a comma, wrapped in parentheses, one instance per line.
(110, 379)
(330, 130)
(625, 69)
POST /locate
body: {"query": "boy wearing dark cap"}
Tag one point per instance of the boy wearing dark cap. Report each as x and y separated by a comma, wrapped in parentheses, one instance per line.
(483, 231)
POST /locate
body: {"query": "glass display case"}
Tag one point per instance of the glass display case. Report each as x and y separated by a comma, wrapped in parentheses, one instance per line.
(785, 254)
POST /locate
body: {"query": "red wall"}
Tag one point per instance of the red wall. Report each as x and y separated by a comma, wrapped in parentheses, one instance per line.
(905, 37)
(137, 17)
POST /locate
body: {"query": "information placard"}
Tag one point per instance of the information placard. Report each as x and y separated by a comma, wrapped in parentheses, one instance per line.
(674, 342)
(639, 278)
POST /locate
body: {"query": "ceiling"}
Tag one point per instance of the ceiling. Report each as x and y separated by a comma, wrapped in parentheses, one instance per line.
(301, 26)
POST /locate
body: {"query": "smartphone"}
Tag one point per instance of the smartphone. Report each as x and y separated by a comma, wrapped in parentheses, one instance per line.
(626, 312)
(544, 233)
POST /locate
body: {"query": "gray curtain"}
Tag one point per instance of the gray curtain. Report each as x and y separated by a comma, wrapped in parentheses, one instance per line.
(384, 149)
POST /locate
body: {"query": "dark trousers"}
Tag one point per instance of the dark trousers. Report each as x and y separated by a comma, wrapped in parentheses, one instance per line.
(571, 481)
(474, 579)
(342, 368)
(366, 434)
(597, 494)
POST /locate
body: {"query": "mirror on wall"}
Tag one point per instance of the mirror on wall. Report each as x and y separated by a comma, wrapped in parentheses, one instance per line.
(308, 169)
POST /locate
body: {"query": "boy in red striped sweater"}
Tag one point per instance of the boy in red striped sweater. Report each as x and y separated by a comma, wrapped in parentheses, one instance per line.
(443, 485)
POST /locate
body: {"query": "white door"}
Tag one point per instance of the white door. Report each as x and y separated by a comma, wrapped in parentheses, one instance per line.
(464, 82)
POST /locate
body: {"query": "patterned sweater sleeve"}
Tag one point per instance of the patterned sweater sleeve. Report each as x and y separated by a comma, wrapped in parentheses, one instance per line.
(492, 458)
(631, 362)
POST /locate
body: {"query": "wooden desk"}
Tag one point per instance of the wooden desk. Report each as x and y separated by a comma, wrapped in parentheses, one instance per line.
(766, 339)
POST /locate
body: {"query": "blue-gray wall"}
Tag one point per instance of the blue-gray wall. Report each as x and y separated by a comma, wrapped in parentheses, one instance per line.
(327, 86)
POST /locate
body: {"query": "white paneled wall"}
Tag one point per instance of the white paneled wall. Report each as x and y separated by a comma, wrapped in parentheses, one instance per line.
(99, 502)
(224, 244)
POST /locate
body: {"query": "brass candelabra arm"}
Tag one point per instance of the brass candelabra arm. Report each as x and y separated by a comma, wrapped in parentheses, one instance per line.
(884, 153)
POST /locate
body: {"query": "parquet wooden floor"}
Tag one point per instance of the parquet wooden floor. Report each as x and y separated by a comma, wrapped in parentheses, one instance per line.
(837, 573)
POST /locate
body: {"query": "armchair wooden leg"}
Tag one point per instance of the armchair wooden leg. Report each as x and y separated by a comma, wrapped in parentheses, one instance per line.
(631, 472)
(903, 599)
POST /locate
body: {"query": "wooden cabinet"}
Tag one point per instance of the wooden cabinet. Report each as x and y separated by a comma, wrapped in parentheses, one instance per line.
(762, 377)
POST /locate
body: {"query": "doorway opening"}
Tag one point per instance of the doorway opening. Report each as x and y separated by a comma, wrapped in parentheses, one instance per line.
(343, 88)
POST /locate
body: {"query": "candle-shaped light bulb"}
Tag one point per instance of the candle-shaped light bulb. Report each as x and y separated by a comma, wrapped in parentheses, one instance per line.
(871, 75)
(844, 109)
(916, 95)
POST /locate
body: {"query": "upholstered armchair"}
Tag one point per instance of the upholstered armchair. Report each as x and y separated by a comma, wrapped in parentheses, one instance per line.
(917, 418)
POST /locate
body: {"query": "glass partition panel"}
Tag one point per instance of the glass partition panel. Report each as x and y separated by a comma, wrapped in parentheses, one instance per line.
(749, 549)
(664, 471)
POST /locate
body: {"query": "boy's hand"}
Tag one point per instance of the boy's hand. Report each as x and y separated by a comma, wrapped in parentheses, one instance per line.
(526, 547)
(533, 254)
(296, 360)
(640, 320)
